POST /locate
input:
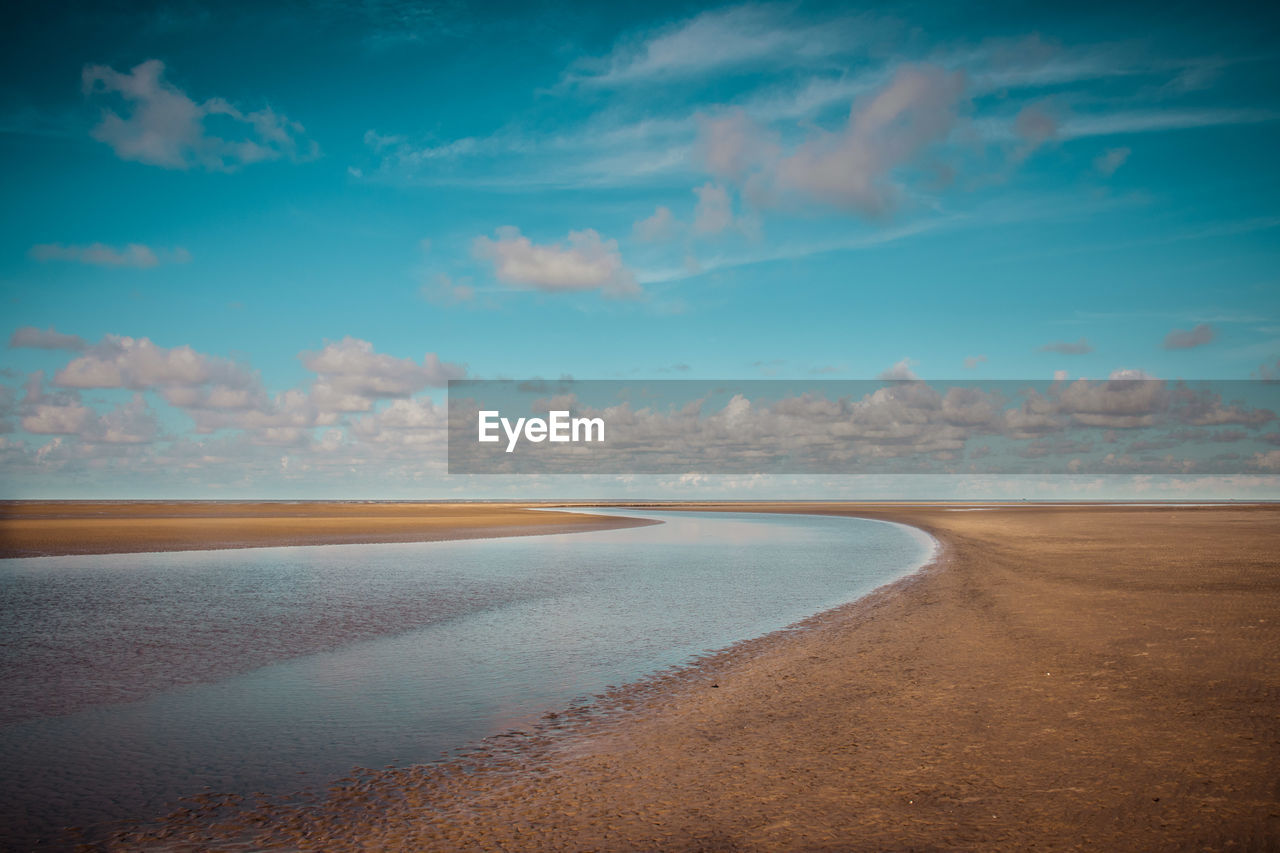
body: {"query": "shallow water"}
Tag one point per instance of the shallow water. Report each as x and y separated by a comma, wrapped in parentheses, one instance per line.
(131, 680)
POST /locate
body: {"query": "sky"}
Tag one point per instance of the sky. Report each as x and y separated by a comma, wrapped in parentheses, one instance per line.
(246, 245)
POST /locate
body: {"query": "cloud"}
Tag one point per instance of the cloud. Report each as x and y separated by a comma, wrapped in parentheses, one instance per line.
(32, 338)
(585, 262)
(714, 212)
(851, 168)
(900, 371)
(733, 144)
(1199, 335)
(350, 375)
(721, 40)
(137, 363)
(973, 361)
(657, 228)
(1080, 347)
(1110, 160)
(102, 255)
(1035, 126)
(1154, 121)
(62, 413)
(410, 425)
(162, 126)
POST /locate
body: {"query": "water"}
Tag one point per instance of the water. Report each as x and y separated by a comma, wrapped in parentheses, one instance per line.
(131, 680)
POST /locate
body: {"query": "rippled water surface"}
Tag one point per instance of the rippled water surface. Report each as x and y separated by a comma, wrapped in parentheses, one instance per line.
(128, 681)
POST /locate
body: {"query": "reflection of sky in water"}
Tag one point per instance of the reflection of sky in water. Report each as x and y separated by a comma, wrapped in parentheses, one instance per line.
(134, 679)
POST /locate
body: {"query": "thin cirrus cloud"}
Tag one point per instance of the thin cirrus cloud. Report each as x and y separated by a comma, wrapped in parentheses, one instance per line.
(1197, 336)
(30, 337)
(1080, 347)
(585, 261)
(721, 40)
(161, 125)
(134, 255)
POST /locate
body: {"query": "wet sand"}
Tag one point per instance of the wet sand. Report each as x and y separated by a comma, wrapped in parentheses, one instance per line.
(42, 528)
(1093, 678)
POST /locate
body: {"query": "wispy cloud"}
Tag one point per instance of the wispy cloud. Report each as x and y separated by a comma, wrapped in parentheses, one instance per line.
(1197, 336)
(721, 40)
(102, 255)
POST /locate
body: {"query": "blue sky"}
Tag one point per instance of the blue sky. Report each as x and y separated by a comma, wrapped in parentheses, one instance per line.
(245, 245)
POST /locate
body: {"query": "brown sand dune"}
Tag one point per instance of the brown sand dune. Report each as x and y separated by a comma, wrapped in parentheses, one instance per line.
(1067, 678)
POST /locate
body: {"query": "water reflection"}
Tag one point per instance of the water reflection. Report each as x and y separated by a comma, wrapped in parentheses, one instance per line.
(131, 680)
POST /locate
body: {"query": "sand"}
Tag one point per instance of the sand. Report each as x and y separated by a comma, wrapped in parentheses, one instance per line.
(1063, 678)
(42, 528)
(1102, 678)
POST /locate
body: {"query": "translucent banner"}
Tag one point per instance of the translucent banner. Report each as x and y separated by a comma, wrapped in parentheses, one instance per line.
(1082, 426)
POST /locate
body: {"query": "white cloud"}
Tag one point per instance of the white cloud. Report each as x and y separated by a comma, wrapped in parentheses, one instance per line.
(971, 362)
(1152, 121)
(162, 126)
(32, 338)
(657, 228)
(62, 413)
(102, 255)
(900, 371)
(851, 168)
(1199, 335)
(585, 261)
(721, 40)
(732, 145)
(714, 212)
(137, 363)
(350, 375)
(1080, 347)
(1110, 160)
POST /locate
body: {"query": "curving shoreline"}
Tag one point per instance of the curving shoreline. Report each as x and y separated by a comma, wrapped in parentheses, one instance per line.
(1066, 678)
(60, 528)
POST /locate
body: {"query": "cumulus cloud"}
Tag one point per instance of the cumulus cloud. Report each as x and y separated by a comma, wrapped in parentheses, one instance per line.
(351, 375)
(586, 261)
(1080, 347)
(138, 363)
(62, 413)
(971, 362)
(406, 425)
(658, 228)
(1199, 335)
(32, 338)
(900, 372)
(102, 255)
(163, 126)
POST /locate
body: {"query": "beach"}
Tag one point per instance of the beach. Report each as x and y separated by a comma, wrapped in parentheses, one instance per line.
(47, 528)
(1062, 677)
